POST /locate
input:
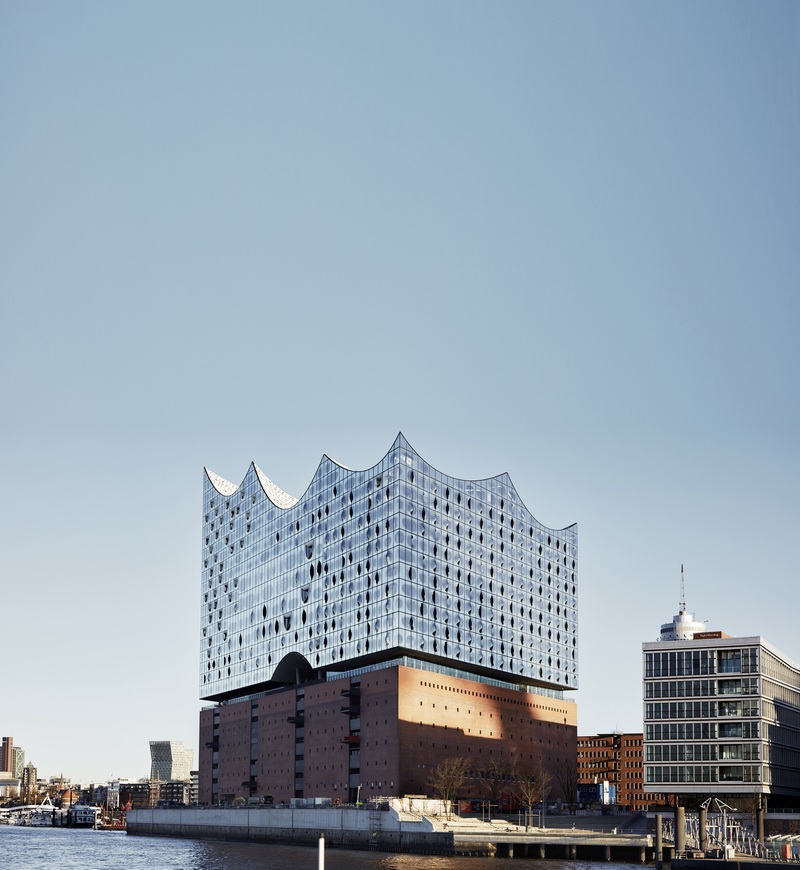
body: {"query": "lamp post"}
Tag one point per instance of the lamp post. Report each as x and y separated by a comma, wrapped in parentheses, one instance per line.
(542, 821)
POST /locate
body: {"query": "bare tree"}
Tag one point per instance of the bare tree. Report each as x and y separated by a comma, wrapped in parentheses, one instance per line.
(566, 774)
(448, 778)
(750, 803)
(494, 779)
(525, 788)
(532, 784)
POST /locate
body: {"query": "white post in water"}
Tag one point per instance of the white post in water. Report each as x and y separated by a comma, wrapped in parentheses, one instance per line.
(322, 851)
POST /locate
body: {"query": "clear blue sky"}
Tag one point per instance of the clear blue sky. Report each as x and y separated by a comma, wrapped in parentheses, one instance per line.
(553, 239)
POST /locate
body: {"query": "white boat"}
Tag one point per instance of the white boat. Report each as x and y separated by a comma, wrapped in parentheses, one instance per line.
(44, 816)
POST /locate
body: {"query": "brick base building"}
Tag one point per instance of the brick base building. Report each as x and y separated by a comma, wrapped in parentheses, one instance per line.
(306, 740)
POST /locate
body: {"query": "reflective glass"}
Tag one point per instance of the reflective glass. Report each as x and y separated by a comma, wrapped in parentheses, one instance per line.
(402, 557)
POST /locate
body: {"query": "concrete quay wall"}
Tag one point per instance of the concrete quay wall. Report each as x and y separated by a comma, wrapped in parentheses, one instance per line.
(384, 832)
(342, 828)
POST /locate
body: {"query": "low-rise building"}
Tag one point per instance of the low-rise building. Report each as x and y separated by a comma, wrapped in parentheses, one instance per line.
(175, 793)
(615, 758)
(138, 795)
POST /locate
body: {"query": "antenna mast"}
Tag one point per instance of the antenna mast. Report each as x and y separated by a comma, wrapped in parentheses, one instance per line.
(682, 605)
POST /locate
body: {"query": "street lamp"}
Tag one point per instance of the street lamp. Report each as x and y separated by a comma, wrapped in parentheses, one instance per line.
(542, 821)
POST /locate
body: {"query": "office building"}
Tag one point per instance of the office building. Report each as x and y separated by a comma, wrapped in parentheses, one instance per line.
(170, 760)
(388, 618)
(722, 716)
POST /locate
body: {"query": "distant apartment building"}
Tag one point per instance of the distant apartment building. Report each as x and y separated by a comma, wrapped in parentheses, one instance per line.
(12, 758)
(97, 794)
(12, 767)
(111, 796)
(29, 788)
(170, 760)
(137, 795)
(175, 793)
(5, 754)
(721, 714)
(617, 759)
(355, 637)
(18, 763)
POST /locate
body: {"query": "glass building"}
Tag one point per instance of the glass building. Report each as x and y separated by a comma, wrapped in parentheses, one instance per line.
(354, 636)
(170, 760)
(369, 566)
(721, 715)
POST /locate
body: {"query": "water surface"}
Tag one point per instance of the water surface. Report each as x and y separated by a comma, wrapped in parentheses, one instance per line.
(68, 849)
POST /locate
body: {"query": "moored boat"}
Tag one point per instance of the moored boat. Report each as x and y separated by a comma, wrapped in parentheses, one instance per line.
(46, 815)
(84, 816)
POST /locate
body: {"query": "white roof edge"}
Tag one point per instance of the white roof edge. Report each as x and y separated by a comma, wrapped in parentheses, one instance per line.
(222, 486)
(275, 494)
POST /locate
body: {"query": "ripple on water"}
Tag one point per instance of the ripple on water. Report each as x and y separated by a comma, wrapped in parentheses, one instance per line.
(43, 848)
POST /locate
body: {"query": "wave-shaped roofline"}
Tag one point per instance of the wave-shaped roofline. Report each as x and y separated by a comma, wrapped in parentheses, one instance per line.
(282, 500)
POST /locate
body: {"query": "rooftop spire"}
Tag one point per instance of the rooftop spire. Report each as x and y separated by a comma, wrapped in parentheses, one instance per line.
(682, 604)
(683, 625)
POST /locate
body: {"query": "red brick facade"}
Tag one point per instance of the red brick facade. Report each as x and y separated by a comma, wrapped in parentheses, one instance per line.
(385, 731)
(617, 758)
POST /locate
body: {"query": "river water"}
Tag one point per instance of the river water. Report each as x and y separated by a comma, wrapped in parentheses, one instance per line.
(68, 849)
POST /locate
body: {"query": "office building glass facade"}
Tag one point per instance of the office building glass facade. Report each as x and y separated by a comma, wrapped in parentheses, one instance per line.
(721, 715)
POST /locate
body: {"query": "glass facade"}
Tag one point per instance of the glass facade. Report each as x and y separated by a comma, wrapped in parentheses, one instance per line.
(170, 760)
(711, 722)
(366, 565)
